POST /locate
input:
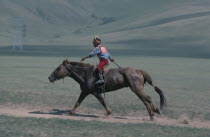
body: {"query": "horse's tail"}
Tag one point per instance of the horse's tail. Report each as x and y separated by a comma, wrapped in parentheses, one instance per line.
(147, 78)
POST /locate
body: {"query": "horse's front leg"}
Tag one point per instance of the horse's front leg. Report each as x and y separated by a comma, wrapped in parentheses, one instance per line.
(101, 99)
(82, 96)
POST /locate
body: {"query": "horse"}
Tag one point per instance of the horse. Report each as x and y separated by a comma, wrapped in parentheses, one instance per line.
(116, 78)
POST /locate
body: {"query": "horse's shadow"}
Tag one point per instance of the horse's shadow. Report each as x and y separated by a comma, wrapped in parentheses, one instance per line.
(64, 113)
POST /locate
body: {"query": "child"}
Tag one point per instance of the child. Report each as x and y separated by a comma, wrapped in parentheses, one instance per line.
(103, 56)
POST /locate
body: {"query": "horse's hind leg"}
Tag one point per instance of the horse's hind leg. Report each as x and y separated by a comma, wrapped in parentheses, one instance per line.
(144, 99)
(154, 108)
(137, 88)
(135, 81)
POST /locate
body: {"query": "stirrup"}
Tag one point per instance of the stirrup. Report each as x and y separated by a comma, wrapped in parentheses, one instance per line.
(99, 82)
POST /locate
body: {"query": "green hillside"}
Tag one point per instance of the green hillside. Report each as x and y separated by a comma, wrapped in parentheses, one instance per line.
(163, 28)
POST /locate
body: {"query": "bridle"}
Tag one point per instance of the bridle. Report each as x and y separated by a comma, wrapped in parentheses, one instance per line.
(69, 72)
(72, 69)
(57, 76)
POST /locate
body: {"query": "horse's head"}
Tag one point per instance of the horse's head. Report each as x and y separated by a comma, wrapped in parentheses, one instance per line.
(60, 72)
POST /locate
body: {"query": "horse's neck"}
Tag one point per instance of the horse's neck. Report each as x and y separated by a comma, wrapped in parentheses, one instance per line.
(78, 74)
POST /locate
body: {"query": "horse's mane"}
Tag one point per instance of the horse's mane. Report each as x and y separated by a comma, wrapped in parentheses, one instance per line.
(81, 64)
(77, 63)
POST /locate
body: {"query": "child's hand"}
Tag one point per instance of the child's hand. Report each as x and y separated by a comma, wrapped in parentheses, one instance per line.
(83, 58)
(112, 60)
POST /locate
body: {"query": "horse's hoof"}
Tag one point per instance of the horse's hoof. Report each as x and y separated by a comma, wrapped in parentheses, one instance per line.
(108, 114)
(152, 119)
(157, 111)
(70, 113)
(108, 111)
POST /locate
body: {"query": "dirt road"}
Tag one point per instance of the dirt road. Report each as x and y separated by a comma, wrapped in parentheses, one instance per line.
(184, 121)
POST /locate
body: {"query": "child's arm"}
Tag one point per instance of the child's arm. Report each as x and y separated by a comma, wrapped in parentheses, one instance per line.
(111, 58)
(93, 53)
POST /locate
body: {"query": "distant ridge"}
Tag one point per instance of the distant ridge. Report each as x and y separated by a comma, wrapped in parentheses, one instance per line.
(163, 26)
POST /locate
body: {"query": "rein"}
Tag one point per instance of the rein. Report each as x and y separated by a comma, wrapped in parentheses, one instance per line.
(57, 76)
(73, 69)
(103, 87)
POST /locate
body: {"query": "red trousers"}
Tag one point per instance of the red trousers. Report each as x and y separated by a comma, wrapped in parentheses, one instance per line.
(102, 63)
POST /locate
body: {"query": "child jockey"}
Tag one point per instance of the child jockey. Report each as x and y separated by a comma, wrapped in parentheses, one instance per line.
(103, 56)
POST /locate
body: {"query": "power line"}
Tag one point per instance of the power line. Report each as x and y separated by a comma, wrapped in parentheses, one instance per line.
(19, 33)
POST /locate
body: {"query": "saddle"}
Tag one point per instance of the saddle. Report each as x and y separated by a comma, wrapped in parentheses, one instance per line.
(105, 70)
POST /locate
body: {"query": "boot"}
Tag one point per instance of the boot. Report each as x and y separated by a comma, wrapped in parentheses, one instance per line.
(100, 80)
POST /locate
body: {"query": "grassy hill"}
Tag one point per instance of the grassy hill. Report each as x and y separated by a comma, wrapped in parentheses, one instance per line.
(141, 27)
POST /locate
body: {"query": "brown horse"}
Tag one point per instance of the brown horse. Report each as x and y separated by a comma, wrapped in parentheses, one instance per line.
(115, 79)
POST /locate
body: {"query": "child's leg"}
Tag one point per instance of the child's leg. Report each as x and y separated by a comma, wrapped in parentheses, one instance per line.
(102, 63)
(99, 69)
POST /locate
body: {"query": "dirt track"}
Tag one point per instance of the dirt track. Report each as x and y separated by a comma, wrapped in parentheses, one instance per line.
(56, 113)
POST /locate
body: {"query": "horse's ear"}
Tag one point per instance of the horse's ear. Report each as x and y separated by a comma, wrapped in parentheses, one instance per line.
(64, 62)
(67, 61)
